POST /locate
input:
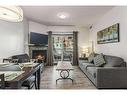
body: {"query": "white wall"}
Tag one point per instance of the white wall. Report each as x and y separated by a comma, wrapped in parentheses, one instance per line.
(37, 27)
(83, 37)
(62, 28)
(12, 38)
(116, 15)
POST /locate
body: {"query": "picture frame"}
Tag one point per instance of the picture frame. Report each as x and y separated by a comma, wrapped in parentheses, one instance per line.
(108, 35)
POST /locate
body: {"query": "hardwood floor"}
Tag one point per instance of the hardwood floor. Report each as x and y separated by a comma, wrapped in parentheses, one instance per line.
(49, 76)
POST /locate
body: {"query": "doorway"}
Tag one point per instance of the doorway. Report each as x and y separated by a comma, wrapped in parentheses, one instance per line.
(62, 47)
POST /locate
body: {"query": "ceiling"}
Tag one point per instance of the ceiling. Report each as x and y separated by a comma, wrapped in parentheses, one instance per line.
(78, 15)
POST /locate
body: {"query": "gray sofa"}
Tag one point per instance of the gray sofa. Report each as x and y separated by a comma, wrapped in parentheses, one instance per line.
(112, 75)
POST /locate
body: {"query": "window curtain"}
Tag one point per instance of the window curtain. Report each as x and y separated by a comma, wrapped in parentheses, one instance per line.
(75, 48)
(49, 51)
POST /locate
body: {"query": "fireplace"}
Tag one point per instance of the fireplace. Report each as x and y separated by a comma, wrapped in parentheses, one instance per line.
(40, 55)
(38, 52)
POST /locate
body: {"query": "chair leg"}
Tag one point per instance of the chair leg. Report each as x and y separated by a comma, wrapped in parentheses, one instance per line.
(35, 83)
(29, 87)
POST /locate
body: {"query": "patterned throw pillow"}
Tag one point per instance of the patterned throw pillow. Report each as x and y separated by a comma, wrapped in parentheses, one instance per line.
(91, 57)
(99, 60)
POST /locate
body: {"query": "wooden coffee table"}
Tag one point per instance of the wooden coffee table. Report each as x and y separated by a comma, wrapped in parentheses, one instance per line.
(64, 67)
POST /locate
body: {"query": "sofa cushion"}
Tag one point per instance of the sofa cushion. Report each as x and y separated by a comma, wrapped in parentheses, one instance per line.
(113, 61)
(85, 65)
(83, 61)
(92, 71)
(99, 60)
(91, 57)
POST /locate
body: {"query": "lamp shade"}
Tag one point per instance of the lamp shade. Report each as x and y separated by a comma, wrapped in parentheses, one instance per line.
(85, 50)
(11, 13)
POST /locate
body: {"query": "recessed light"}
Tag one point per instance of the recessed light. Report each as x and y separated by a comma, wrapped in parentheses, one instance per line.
(63, 15)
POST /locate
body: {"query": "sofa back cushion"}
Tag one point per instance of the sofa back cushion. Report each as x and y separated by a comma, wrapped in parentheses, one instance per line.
(21, 58)
(99, 60)
(113, 61)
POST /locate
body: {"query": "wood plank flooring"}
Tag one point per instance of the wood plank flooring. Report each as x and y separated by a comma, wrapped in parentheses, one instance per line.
(49, 76)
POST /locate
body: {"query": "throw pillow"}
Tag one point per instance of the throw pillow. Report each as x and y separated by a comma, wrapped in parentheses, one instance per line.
(91, 57)
(99, 60)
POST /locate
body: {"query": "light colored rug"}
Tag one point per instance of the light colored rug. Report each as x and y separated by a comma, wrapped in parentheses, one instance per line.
(49, 76)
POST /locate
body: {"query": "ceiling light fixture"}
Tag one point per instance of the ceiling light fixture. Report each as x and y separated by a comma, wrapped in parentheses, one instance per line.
(63, 15)
(11, 13)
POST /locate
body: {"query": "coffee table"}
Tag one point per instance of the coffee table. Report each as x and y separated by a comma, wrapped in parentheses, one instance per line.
(64, 67)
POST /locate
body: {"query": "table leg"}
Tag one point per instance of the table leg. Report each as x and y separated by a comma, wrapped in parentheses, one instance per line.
(38, 78)
(64, 77)
(36, 86)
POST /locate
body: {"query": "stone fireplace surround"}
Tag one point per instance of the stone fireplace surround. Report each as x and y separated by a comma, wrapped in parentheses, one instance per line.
(36, 47)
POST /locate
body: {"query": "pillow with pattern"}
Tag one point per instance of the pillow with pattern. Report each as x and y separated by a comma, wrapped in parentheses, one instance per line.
(99, 60)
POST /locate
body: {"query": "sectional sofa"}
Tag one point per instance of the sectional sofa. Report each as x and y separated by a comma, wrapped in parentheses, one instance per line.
(113, 74)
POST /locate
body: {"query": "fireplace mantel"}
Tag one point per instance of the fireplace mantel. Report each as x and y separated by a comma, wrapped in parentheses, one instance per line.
(31, 45)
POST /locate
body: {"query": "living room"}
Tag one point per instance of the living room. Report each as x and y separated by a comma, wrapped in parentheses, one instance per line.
(48, 37)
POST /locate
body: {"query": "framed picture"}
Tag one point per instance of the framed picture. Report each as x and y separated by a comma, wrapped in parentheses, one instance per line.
(108, 35)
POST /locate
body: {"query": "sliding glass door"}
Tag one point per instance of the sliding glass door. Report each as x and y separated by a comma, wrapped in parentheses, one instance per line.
(62, 47)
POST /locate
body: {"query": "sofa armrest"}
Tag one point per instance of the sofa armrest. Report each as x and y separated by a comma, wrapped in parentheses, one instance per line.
(111, 77)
